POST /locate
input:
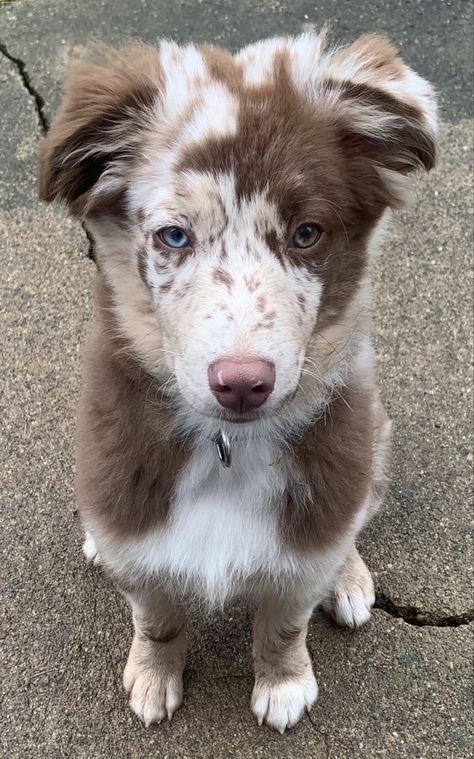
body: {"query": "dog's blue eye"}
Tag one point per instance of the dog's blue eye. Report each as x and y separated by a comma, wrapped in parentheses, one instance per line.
(306, 235)
(174, 237)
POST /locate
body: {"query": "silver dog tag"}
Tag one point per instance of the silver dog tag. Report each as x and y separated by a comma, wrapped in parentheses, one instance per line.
(221, 441)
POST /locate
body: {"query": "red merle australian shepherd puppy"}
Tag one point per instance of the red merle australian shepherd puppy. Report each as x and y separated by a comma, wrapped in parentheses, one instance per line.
(231, 439)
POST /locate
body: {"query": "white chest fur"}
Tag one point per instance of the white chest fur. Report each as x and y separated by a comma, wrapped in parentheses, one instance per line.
(223, 525)
(223, 529)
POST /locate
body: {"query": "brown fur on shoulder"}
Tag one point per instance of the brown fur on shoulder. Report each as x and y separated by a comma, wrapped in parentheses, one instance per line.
(333, 462)
(126, 464)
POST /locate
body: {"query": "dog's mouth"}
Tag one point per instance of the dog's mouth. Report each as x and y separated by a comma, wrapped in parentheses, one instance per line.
(229, 417)
(234, 417)
(214, 408)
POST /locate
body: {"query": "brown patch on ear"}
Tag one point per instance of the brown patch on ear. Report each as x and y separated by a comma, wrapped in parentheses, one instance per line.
(99, 122)
(385, 112)
(380, 54)
(405, 145)
(113, 203)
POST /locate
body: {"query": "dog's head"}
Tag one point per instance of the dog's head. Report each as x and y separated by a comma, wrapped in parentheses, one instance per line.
(233, 199)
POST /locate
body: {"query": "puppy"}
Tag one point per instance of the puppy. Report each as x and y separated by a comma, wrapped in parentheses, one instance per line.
(231, 440)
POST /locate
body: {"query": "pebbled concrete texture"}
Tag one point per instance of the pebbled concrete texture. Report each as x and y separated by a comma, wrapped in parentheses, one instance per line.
(420, 545)
(392, 689)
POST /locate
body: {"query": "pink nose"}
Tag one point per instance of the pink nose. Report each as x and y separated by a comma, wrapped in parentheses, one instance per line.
(241, 384)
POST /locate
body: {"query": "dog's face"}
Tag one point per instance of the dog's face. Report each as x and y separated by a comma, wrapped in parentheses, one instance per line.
(233, 199)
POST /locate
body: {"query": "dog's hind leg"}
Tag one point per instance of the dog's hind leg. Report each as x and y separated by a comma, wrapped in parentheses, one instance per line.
(352, 598)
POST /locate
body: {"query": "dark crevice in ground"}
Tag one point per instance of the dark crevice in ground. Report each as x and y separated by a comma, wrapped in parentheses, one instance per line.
(413, 616)
(91, 248)
(43, 121)
(25, 78)
(322, 735)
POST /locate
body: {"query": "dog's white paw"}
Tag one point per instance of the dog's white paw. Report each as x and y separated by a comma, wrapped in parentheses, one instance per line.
(153, 695)
(89, 549)
(153, 679)
(282, 704)
(352, 599)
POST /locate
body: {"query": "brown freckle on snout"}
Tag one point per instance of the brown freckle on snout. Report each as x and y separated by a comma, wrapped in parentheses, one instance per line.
(180, 292)
(223, 278)
(166, 286)
(140, 215)
(252, 282)
(261, 303)
(264, 324)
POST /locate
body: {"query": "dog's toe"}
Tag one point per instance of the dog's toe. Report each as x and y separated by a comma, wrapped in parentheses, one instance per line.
(153, 681)
(281, 705)
(153, 695)
(89, 549)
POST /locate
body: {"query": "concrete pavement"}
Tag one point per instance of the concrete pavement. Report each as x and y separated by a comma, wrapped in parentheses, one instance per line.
(400, 686)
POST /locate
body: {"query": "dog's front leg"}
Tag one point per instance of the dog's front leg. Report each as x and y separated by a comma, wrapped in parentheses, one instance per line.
(153, 677)
(284, 681)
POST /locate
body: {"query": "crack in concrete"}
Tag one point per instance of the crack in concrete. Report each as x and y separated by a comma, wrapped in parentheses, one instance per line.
(323, 736)
(420, 618)
(27, 83)
(42, 118)
(91, 242)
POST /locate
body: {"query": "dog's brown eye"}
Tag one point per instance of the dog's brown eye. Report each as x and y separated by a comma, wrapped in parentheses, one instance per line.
(174, 237)
(306, 235)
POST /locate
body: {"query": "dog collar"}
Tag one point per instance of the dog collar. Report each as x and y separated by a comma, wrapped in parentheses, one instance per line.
(222, 443)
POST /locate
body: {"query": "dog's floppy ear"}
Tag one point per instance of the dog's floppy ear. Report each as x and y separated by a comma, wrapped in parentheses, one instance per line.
(95, 132)
(386, 114)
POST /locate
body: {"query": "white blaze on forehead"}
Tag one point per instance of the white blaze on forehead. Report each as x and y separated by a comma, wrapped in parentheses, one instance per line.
(184, 72)
(216, 114)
